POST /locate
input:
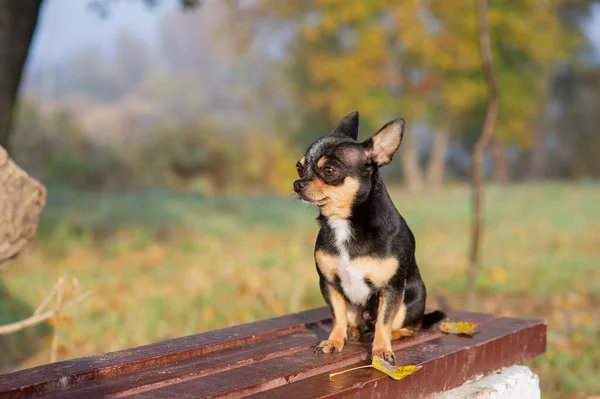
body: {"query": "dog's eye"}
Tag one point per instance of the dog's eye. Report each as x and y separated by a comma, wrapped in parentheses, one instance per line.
(328, 171)
(299, 167)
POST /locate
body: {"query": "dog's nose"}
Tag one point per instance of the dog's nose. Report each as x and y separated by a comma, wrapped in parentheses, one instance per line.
(299, 185)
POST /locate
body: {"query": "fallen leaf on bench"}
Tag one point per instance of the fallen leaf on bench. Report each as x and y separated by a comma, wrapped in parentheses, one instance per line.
(396, 373)
(378, 363)
(458, 327)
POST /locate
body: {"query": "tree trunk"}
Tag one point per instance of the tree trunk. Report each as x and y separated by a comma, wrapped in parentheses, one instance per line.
(22, 199)
(482, 142)
(437, 162)
(18, 19)
(500, 160)
(413, 175)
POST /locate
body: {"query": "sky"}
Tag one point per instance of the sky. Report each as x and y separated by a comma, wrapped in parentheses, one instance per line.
(66, 25)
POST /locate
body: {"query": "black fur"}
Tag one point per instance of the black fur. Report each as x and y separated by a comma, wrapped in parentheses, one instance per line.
(348, 126)
(378, 229)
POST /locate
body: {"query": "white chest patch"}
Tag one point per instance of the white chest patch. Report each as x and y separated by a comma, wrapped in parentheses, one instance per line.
(352, 279)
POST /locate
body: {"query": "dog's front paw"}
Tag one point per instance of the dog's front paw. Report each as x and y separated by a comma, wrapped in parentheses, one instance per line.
(385, 354)
(354, 333)
(329, 346)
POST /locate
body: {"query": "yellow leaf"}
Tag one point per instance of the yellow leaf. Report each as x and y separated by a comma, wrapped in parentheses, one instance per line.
(458, 327)
(396, 373)
(378, 363)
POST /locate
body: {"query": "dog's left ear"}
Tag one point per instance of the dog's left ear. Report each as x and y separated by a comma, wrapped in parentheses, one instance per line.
(348, 126)
(380, 148)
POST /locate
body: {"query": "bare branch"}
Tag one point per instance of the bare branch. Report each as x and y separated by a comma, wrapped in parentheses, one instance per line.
(54, 347)
(40, 318)
(480, 146)
(49, 297)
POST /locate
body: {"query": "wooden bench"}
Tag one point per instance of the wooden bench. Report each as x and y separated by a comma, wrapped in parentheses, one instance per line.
(273, 358)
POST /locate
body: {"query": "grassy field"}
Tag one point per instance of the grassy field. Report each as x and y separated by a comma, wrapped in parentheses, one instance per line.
(163, 265)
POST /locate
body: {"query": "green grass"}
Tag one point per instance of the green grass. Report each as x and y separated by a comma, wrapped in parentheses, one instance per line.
(167, 264)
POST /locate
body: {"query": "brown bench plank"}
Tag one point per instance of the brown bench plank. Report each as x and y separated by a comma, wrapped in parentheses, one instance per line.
(272, 358)
(448, 362)
(213, 362)
(51, 377)
(272, 373)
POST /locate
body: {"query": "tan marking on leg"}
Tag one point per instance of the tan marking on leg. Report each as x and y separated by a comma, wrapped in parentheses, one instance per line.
(339, 333)
(398, 321)
(327, 264)
(404, 332)
(398, 328)
(382, 345)
(321, 162)
(382, 341)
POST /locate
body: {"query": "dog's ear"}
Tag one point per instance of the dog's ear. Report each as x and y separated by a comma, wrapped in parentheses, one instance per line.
(380, 148)
(348, 126)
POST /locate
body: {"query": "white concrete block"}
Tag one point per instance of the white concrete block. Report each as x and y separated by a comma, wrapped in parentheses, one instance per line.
(516, 382)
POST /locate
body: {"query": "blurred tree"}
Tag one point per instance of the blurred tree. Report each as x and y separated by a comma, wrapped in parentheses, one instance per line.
(500, 161)
(132, 59)
(18, 19)
(419, 59)
(337, 59)
(487, 131)
(233, 72)
(528, 56)
(104, 77)
(548, 155)
(92, 74)
(575, 136)
(459, 91)
(195, 72)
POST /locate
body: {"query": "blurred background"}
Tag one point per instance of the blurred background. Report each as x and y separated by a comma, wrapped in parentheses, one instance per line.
(168, 140)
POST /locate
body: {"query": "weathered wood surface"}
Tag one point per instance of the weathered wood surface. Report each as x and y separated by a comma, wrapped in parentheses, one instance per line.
(272, 358)
(22, 199)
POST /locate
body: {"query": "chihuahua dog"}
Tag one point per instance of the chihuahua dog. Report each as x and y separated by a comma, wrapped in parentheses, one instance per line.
(365, 251)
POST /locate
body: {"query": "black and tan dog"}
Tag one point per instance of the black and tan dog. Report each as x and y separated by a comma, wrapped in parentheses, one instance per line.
(365, 251)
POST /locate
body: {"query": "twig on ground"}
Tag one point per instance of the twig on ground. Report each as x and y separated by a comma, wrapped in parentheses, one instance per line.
(54, 346)
(46, 301)
(40, 318)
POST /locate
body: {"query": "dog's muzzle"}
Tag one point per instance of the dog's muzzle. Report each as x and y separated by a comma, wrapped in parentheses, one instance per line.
(299, 185)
